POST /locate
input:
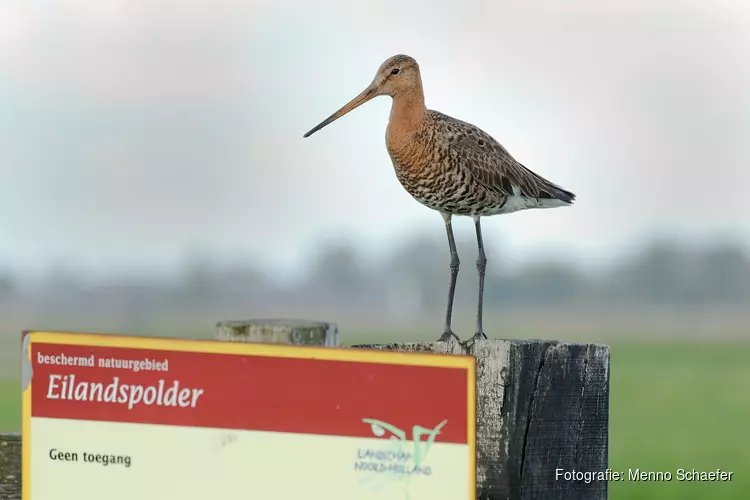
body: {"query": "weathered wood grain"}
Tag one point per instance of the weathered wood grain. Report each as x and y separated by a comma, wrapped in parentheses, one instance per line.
(10, 466)
(541, 405)
(279, 331)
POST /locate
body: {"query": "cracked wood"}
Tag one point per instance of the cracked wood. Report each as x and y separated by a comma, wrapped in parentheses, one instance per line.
(541, 405)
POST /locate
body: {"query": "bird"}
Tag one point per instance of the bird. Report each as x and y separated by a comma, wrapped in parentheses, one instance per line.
(450, 166)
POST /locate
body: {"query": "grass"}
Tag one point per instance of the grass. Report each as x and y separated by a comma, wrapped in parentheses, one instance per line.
(673, 405)
(10, 405)
(680, 405)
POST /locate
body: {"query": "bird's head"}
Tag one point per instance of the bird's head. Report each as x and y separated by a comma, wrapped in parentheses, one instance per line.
(396, 76)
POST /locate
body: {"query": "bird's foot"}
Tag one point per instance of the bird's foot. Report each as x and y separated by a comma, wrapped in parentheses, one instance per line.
(469, 344)
(446, 336)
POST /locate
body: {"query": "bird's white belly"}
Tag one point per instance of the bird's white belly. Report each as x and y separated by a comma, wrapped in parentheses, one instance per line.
(516, 203)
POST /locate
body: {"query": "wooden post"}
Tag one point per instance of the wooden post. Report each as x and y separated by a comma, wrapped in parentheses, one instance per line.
(279, 331)
(541, 406)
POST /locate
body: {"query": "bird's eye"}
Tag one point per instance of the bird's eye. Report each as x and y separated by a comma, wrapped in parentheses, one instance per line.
(395, 71)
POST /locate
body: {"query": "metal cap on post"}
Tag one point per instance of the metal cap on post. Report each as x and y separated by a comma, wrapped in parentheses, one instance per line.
(279, 331)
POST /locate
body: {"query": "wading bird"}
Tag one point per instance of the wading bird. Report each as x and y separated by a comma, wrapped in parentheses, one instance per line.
(450, 166)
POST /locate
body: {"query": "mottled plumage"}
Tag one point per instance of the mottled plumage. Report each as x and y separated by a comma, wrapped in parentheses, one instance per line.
(453, 166)
(450, 165)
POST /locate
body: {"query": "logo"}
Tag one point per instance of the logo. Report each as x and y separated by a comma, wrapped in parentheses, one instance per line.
(395, 464)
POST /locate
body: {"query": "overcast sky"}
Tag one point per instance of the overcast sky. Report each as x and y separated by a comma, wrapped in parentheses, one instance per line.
(134, 130)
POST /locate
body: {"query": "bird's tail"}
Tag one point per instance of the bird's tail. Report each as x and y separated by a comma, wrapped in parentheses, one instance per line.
(550, 192)
(562, 194)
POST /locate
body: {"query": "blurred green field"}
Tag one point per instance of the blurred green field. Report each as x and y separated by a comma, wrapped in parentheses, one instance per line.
(673, 405)
(10, 405)
(680, 405)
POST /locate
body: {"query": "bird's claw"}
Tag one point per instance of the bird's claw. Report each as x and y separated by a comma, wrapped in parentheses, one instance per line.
(446, 336)
(479, 335)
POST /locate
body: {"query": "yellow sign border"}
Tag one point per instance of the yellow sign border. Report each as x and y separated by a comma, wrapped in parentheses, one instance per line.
(440, 360)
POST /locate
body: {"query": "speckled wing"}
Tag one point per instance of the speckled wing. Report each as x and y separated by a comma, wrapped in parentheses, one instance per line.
(492, 166)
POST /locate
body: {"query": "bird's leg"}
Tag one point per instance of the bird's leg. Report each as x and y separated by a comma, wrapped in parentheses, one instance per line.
(447, 332)
(481, 268)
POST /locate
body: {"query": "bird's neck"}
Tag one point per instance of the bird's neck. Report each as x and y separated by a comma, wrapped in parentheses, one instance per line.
(408, 110)
(407, 121)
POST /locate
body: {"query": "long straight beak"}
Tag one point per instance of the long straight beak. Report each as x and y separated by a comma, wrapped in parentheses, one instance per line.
(362, 98)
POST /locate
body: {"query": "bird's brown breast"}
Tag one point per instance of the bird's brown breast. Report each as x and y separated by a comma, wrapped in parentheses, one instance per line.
(423, 169)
